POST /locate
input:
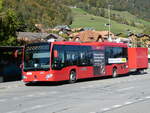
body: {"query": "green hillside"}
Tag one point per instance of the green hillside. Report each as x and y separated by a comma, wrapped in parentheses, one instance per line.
(127, 17)
(139, 8)
(84, 19)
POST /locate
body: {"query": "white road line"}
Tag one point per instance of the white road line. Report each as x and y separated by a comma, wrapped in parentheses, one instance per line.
(148, 97)
(29, 95)
(54, 92)
(140, 99)
(116, 106)
(125, 89)
(106, 109)
(37, 107)
(127, 103)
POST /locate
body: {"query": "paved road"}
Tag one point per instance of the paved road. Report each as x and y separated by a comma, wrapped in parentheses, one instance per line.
(129, 94)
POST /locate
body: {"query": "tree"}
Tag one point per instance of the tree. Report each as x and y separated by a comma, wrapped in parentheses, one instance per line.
(47, 12)
(8, 27)
(1, 2)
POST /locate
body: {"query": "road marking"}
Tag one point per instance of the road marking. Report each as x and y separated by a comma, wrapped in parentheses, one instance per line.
(29, 95)
(127, 103)
(54, 92)
(37, 107)
(106, 109)
(140, 99)
(148, 97)
(93, 112)
(125, 89)
(116, 106)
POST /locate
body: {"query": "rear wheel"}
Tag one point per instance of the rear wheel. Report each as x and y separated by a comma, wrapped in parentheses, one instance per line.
(140, 71)
(114, 73)
(72, 77)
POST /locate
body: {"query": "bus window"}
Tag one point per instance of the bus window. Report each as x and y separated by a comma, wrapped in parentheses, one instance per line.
(114, 54)
(37, 57)
(71, 58)
(59, 61)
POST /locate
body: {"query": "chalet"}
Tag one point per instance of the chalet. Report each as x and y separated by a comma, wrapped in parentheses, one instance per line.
(92, 36)
(29, 37)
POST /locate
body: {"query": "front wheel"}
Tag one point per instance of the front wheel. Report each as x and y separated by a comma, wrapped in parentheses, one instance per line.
(72, 78)
(114, 73)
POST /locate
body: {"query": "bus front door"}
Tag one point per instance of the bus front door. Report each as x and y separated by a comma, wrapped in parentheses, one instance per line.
(98, 63)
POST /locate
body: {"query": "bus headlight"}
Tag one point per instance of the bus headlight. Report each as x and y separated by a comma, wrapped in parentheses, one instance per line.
(24, 77)
(49, 76)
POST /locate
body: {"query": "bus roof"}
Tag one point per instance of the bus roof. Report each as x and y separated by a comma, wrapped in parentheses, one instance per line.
(93, 44)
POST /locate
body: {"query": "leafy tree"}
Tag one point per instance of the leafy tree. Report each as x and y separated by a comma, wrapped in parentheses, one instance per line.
(47, 12)
(8, 26)
(1, 2)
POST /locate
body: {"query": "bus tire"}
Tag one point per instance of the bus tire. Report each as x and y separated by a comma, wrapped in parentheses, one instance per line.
(72, 77)
(28, 84)
(140, 71)
(114, 73)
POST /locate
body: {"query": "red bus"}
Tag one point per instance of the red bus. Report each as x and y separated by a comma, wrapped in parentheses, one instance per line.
(61, 61)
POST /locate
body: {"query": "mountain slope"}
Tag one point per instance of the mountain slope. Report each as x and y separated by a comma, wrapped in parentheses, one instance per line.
(139, 8)
(84, 19)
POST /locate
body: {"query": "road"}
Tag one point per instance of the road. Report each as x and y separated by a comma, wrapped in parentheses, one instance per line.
(129, 94)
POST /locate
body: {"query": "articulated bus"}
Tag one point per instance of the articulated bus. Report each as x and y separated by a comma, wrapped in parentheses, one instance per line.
(61, 61)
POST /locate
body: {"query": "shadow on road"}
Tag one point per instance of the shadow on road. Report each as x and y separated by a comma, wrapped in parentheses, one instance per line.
(60, 83)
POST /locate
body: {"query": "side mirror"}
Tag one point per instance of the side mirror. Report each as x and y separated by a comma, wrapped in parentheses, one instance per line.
(16, 54)
(55, 54)
(21, 66)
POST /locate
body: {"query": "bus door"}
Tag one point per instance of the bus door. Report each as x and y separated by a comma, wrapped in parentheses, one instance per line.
(98, 62)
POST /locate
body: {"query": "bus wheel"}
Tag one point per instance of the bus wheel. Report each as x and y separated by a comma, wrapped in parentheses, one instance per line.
(114, 74)
(28, 84)
(140, 71)
(72, 77)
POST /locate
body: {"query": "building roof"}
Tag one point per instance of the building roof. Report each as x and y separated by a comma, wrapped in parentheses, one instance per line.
(91, 36)
(31, 36)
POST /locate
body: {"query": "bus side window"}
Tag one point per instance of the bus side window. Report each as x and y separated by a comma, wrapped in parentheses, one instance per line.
(58, 59)
(84, 59)
(108, 54)
(89, 58)
(68, 58)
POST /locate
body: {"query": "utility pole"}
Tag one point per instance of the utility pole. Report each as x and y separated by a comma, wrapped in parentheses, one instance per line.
(109, 21)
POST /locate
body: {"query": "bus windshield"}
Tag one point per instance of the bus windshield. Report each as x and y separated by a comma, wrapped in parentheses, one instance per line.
(37, 57)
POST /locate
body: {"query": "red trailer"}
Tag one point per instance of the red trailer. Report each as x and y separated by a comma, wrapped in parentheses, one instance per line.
(138, 58)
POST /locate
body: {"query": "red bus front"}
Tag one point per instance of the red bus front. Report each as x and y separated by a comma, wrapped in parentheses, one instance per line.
(36, 64)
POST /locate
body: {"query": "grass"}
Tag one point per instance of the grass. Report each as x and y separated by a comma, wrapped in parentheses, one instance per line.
(84, 19)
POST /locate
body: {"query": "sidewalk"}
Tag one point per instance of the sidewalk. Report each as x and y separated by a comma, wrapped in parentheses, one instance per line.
(13, 84)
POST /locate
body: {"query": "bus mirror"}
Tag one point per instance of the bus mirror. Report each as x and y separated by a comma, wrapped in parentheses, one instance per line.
(21, 66)
(55, 53)
(16, 53)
